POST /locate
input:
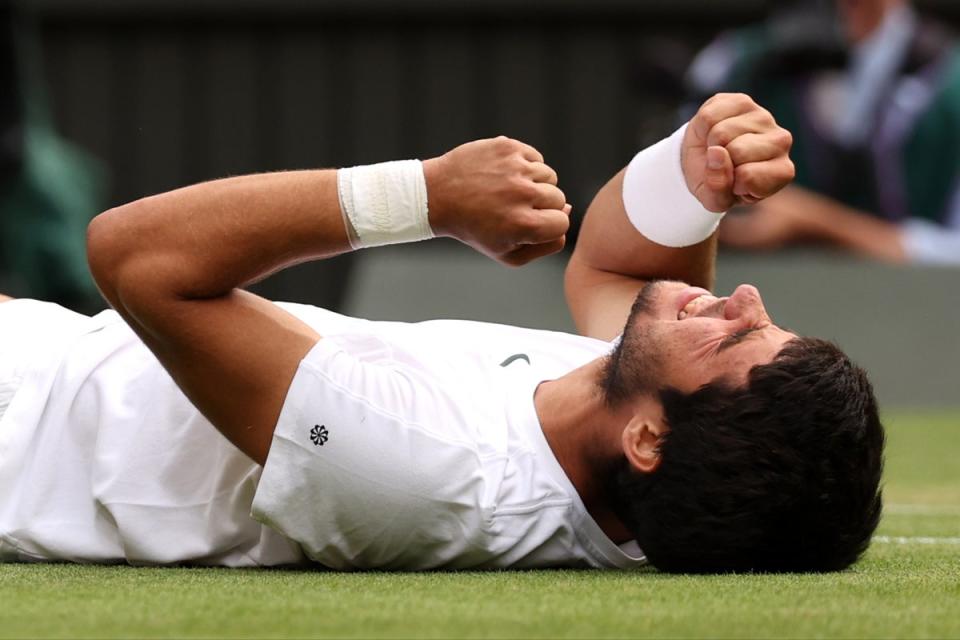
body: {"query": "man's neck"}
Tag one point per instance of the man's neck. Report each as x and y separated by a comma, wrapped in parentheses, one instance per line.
(584, 436)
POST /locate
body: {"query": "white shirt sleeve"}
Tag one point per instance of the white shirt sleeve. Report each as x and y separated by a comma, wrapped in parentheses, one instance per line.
(366, 469)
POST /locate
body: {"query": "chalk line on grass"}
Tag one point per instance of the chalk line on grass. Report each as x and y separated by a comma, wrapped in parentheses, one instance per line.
(922, 509)
(915, 540)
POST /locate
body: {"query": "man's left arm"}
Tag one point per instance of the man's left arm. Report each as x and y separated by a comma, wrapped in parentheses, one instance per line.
(173, 266)
(732, 152)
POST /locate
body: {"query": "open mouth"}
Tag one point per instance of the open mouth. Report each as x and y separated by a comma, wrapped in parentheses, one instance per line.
(704, 306)
(688, 303)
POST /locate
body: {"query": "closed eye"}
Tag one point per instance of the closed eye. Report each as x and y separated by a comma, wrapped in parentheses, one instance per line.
(735, 338)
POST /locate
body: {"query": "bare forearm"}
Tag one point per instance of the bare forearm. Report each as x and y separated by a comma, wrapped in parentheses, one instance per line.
(205, 240)
(858, 231)
(613, 261)
(657, 219)
(172, 264)
(608, 243)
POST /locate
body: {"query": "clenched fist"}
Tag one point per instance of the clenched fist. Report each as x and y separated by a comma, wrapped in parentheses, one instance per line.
(499, 197)
(735, 153)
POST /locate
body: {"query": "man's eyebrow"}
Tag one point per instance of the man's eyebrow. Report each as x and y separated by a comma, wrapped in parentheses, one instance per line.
(736, 338)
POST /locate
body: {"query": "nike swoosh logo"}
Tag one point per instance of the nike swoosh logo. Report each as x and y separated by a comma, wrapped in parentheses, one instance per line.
(514, 358)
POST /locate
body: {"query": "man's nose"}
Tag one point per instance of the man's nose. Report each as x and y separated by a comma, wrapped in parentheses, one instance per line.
(745, 304)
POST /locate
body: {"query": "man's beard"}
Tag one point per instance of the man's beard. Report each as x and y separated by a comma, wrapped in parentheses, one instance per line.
(635, 365)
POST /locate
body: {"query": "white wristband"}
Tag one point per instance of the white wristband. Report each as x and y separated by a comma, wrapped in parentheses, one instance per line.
(384, 203)
(657, 200)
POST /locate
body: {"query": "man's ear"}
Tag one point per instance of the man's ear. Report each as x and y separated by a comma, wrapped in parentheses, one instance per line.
(641, 442)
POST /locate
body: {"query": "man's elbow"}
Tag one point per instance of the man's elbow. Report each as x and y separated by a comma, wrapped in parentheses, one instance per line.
(101, 250)
(110, 250)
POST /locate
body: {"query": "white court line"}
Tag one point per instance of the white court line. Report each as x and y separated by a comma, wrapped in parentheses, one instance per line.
(923, 509)
(914, 540)
(920, 510)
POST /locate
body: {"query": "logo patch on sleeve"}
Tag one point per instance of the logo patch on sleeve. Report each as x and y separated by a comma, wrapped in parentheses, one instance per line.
(319, 435)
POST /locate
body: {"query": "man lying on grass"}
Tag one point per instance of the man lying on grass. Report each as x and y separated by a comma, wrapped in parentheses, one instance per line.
(679, 428)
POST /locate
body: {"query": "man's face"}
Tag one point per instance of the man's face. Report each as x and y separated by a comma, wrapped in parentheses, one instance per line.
(684, 337)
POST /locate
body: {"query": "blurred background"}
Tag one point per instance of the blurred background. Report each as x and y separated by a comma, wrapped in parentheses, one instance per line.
(106, 101)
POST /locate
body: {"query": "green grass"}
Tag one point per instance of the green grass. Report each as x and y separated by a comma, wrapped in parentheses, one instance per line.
(900, 589)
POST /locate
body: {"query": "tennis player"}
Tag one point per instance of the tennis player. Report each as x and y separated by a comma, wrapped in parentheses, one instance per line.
(198, 423)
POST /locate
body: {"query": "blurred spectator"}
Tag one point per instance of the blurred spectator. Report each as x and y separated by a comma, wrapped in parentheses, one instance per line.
(871, 92)
(48, 188)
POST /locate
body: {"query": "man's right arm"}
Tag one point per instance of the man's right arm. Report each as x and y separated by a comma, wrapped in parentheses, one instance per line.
(613, 261)
(732, 152)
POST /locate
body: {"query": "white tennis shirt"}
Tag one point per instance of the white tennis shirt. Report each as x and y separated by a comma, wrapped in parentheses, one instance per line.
(399, 446)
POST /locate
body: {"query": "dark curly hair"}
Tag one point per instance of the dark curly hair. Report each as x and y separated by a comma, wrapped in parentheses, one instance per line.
(781, 474)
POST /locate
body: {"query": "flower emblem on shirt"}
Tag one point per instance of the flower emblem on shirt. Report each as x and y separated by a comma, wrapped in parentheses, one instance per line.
(319, 435)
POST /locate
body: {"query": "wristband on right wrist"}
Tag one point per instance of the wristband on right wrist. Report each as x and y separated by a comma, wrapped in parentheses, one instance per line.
(657, 200)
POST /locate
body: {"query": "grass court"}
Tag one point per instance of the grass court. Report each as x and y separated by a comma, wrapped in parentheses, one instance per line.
(908, 586)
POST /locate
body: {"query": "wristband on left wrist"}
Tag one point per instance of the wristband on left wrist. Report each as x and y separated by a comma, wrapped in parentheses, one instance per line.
(384, 203)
